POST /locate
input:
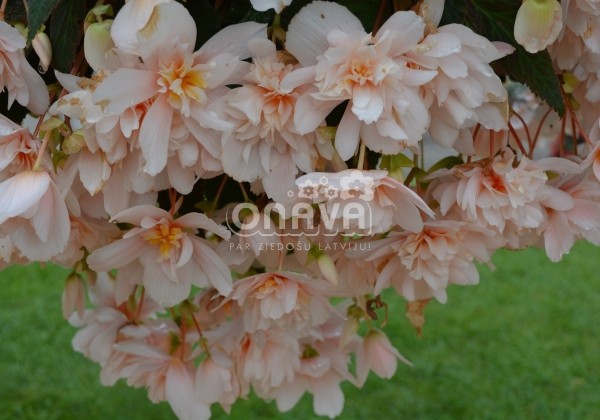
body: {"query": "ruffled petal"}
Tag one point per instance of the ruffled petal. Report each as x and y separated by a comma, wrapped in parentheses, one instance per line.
(307, 32)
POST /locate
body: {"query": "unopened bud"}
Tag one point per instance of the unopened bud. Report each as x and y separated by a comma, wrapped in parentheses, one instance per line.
(327, 132)
(570, 82)
(537, 24)
(349, 331)
(74, 143)
(43, 48)
(327, 267)
(73, 297)
(97, 43)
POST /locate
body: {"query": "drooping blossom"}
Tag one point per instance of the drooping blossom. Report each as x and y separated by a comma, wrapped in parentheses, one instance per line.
(17, 76)
(172, 257)
(168, 377)
(465, 90)
(18, 148)
(573, 212)
(386, 110)
(322, 367)
(499, 193)
(422, 265)
(379, 355)
(216, 380)
(287, 300)
(34, 214)
(100, 326)
(267, 359)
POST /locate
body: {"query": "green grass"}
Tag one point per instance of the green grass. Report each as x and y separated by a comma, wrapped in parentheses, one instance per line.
(524, 344)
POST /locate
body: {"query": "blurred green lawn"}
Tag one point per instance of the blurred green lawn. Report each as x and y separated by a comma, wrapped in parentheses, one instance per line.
(524, 344)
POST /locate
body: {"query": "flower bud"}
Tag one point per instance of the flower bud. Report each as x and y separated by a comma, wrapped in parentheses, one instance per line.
(97, 43)
(74, 143)
(538, 24)
(349, 331)
(43, 48)
(73, 297)
(327, 267)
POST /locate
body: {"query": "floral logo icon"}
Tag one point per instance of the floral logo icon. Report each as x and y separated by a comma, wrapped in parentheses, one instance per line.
(309, 189)
(357, 186)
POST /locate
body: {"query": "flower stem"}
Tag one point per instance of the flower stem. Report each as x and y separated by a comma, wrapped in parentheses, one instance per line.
(215, 201)
(38, 160)
(361, 156)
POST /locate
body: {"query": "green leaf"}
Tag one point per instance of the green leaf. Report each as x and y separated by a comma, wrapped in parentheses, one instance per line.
(394, 164)
(66, 32)
(495, 20)
(39, 12)
(447, 162)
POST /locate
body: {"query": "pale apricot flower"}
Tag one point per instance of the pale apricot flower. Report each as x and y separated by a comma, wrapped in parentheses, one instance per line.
(17, 76)
(385, 109)
(173, 257)
(34, 214)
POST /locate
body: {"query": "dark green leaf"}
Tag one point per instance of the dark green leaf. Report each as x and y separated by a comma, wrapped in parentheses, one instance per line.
(495, 20)
(208, 21)
(65, 32)
(260, 17)
(15, 12)
(365, 10)
(39, 12)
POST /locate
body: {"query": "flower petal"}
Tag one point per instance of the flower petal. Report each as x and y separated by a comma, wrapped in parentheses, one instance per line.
(307, 32)
(126, 88)
(116, 254)
(347, 136)
(19, 193)
(232, 39)
(155, 135)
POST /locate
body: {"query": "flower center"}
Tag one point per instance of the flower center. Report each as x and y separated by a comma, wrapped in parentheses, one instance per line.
(496, 182)
(361, 72)
(268, 287)
(166, 236)
(183, 82)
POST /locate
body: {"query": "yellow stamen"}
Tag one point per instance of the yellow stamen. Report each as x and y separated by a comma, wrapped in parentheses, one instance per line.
(166, 237)
(182, 82)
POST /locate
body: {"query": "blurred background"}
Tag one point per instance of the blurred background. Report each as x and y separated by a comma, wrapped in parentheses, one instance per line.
(523, 344)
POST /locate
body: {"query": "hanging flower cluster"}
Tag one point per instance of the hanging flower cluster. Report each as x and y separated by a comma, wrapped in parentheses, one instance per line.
(233, 211)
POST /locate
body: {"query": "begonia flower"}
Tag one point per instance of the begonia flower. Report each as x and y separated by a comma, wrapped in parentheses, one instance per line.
(172, 257)
(34, 214)
(17, 76)
(386, 110)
